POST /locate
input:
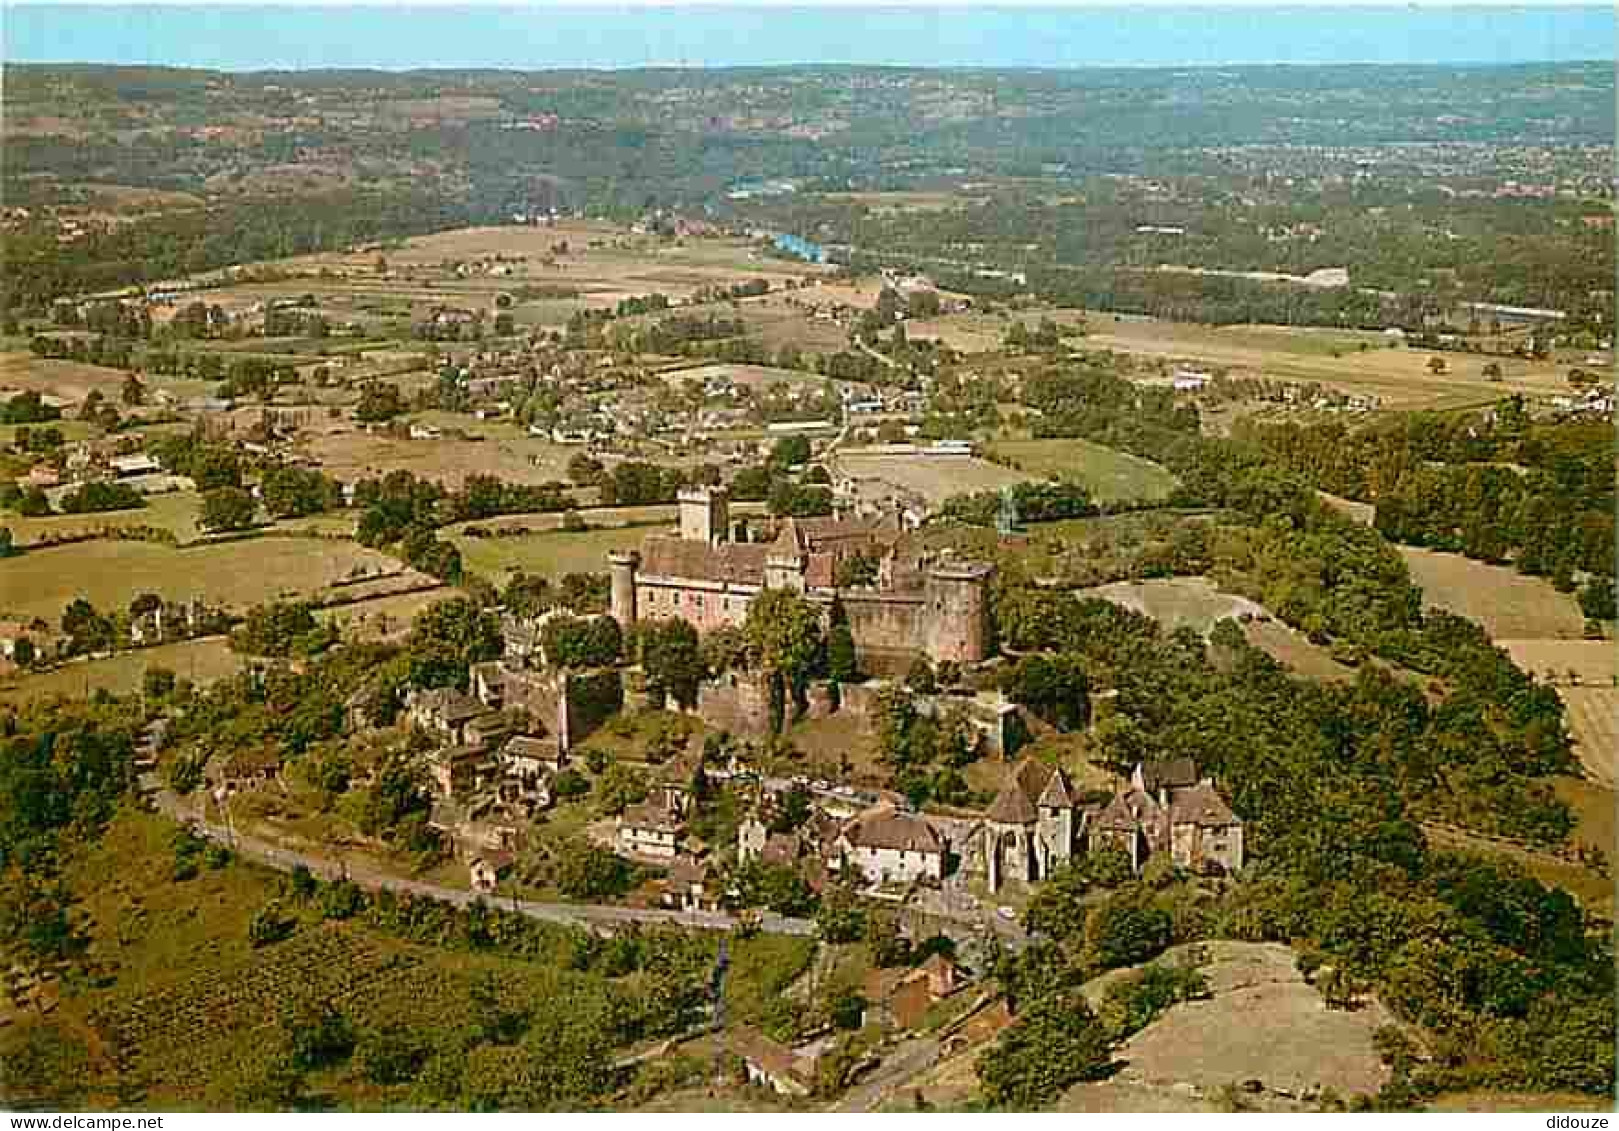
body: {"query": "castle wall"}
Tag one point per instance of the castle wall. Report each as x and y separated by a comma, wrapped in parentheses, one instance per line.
(738, 702)
(570, 705)
(888, 628)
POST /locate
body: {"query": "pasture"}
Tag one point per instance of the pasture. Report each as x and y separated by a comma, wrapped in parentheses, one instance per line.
(175, 512)
(935, 478)
(1508, 604)
(1108, 474)
(545, 554)
(1293, 650)
(1350, 361)
(201, 661)
(110, 573)
(347, 452)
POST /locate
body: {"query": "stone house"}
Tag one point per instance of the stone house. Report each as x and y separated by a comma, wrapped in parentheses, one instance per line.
(770, 1064)
(889, 845)
(650, 830)
(1169, 807)
(486, 870)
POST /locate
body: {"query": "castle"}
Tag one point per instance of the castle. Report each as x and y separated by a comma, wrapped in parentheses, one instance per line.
(704, 575)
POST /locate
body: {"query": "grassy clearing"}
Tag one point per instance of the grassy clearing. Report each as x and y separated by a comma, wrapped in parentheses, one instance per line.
(1262, 1021)
(1178, 602)
(546, 554)
(111, 573)
(1291, 648)
(1507, 603)
(1108, 474)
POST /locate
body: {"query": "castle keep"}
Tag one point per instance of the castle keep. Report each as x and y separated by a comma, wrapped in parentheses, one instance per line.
(703, 575)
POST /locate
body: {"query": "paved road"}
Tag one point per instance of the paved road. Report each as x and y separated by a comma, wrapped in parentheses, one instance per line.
(596, 915)
(908, 1060)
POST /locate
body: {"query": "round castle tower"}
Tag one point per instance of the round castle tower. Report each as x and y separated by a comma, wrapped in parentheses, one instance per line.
(621, 567)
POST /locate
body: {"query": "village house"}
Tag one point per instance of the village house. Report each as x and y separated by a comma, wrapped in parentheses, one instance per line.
(901, 998)
(770, 1064)
(650, 829)
(888, 845)
(242, 772)
(687, 888)
(486, 870)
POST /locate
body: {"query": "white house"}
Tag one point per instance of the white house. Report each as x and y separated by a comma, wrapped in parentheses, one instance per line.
(884, 844)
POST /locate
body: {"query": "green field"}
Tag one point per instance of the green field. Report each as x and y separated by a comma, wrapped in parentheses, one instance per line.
(1109, 475)
(176, 512)
(200, 661)
(546, 554)
(111, 573)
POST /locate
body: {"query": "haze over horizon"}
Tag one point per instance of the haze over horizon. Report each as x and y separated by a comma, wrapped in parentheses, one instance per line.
(234, 37)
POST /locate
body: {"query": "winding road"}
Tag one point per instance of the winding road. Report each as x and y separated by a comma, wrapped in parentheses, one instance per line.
(596, 916)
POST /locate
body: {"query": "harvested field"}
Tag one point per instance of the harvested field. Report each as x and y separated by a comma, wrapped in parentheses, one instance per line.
(1508, 604)
(111, 573)
(546, 554)
(1593, 719)
(382, 618)
(1178, 602)
(1565, 662)
(201, 661)
(61, 382)
(750, 376)
(936, 478)
(1108, 474)
(505, 451)
(1350, 361)
(1263, 1023)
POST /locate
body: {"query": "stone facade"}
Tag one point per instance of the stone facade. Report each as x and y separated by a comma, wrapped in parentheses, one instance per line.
(937, 608)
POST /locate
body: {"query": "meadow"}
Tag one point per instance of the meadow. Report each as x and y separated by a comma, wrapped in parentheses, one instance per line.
(1109, 475)
(110, 573)
(935, 478)
(545, 554)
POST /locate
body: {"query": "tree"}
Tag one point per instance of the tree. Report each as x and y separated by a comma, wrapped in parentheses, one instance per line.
(840, 918)
(784, 630)
(1054, 687)
(378, 403)
(270, 924)
(447, 638)
(227, 508)
(133, 393)
(1492, 371)
(584, 871)
(1597, 598)
(920, 678)
(672, 657)
(855, 571)
(790, 451)
(295, 491)
(582, 642)
(842, 662)
(1055, 1043)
